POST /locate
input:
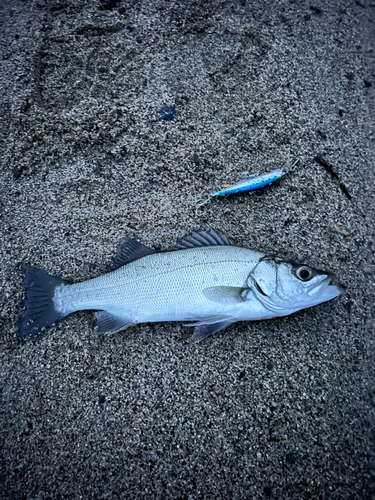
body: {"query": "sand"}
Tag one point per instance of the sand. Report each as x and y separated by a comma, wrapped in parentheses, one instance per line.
(281, 408)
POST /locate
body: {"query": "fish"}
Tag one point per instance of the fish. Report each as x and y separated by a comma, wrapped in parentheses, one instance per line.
(204, 281)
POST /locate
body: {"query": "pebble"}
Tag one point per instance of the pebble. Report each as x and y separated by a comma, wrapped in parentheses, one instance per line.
(167, 113)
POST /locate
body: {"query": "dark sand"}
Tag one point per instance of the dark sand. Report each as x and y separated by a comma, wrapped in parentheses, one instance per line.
(85, 160)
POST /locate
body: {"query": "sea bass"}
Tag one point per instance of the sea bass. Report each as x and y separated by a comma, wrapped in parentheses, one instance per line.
(204, 280)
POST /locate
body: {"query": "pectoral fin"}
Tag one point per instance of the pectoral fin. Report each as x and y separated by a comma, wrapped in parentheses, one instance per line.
(225, 295)
(107, 323)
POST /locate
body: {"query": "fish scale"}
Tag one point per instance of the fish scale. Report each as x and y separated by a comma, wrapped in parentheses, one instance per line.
(162, 286)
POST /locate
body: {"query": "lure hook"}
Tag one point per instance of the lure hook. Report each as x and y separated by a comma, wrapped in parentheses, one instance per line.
(293, 167)
(199, 205)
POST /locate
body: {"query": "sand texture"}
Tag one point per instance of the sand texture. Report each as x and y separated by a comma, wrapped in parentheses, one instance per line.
(280, 409)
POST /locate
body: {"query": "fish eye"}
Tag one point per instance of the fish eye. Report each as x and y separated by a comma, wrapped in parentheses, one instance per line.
(304, 273)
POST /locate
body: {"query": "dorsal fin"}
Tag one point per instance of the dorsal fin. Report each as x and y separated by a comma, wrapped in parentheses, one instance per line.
(204, 238)
(127, 251)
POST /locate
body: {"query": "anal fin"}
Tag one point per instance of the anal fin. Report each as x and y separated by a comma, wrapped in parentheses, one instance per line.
(107, 323)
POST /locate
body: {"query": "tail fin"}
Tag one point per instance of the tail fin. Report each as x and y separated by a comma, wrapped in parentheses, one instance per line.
(38, 310)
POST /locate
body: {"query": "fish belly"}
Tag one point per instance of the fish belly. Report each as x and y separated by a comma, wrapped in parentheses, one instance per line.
(164, 286)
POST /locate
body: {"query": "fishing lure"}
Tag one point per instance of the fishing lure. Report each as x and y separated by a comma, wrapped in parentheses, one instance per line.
(252, 183)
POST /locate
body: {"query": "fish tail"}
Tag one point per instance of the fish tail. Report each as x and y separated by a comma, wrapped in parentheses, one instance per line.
(38, 308)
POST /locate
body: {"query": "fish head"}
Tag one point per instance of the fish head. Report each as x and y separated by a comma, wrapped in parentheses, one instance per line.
(285, 287)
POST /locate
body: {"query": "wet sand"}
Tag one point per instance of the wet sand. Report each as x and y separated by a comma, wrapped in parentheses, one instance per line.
(275, 409)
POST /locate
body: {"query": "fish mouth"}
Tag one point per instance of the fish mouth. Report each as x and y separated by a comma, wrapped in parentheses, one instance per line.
(324, 290)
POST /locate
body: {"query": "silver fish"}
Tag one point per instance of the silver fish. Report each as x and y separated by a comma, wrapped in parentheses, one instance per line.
(204, 279)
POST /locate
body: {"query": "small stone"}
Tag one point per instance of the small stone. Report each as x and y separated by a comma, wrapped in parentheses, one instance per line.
(16, 172)
(322, 135)
(267, 491)
(340, 230)
(316, 10)
(216, 389)
(167, 113)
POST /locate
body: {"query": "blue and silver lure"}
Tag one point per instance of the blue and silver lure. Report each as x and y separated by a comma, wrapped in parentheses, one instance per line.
(252, 183)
